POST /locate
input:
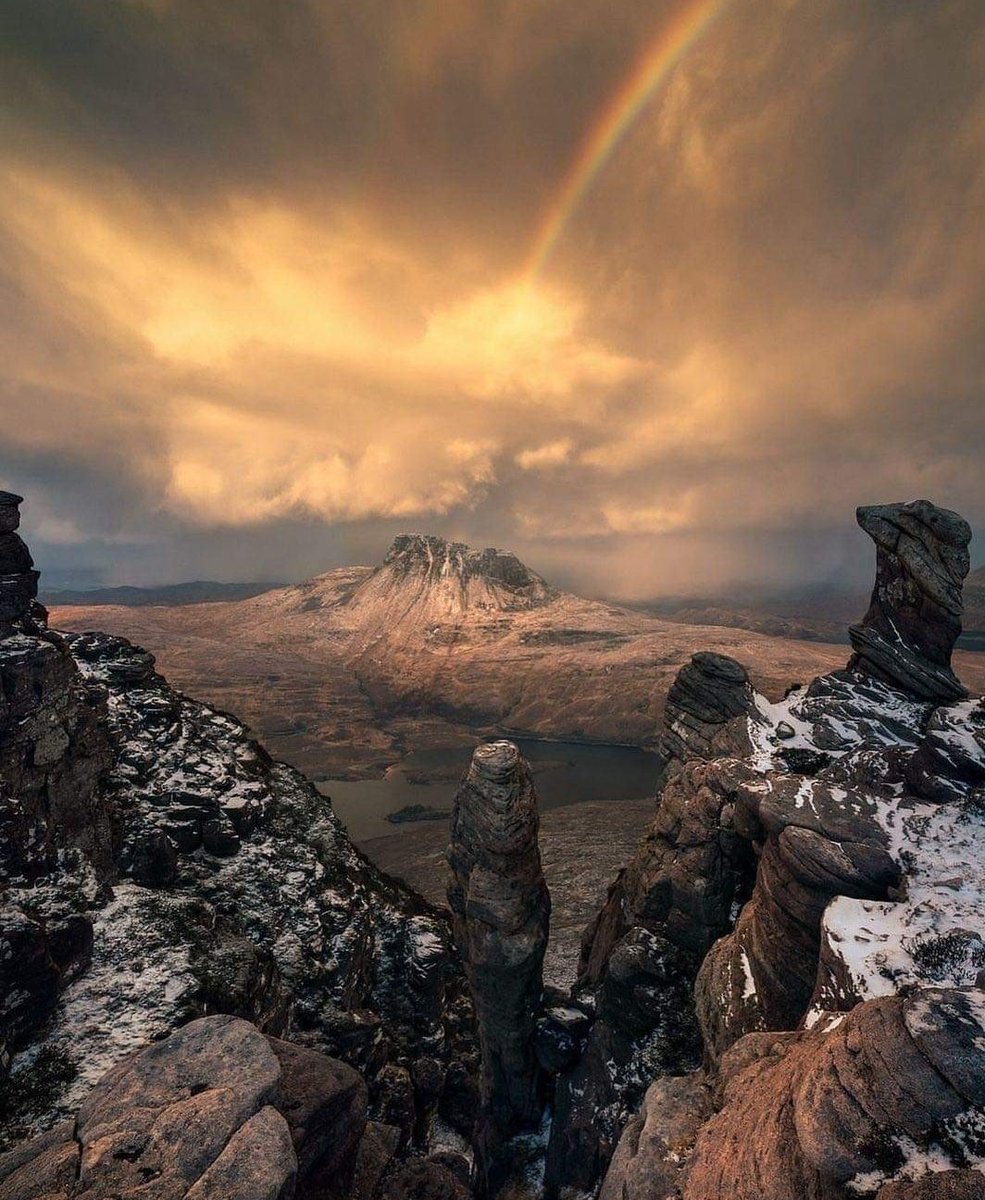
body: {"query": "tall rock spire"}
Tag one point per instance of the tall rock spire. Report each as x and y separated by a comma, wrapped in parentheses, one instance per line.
(914, 616)
(18, 578)
(501, 911)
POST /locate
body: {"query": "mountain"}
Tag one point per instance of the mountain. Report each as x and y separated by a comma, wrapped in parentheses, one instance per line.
(811, 613)
(342, 674)
(198, 591)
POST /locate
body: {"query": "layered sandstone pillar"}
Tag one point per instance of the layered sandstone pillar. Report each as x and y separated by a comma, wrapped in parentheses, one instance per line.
(501, 911)
(18, 579)
(914, 616)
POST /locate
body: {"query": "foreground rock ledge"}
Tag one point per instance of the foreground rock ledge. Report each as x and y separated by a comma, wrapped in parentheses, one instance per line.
(216, 1111)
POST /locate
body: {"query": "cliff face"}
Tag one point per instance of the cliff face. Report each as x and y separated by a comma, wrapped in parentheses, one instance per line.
(842, 1016)
(159, 866)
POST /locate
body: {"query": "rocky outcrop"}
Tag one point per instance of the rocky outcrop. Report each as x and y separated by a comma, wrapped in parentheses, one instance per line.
(914, 617)
(690, 868)
(57, 825)
(18, 578)
(815, 840)
(706, 694)
(268, 908)
(214, 1111)
(654, 1149)
(501, 911)
(159, 867)
(840, 1019)
(893, 1089)
(644, 1028)
(496, 578)
(661, 916)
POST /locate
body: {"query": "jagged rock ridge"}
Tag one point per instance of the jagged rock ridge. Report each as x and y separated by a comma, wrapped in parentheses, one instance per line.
(159, 866)
(490, 577)
(842, 1016)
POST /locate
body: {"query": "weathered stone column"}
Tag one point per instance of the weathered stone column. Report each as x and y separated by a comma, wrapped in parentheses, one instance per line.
(18, 579)
(914, 616)
(501, 912)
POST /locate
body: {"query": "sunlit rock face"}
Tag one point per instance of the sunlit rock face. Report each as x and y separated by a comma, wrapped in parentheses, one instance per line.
(914, 617)
(491, 578)
(840, 1113)
(215, 1110)
(501, 911)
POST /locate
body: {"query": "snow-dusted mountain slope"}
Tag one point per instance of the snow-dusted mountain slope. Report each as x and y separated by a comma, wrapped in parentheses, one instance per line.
(342, 673)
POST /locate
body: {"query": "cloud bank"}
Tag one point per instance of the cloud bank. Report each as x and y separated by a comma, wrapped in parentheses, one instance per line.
(263, 302)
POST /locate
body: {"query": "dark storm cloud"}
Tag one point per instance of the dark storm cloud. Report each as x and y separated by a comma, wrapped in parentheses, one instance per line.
(257, 281)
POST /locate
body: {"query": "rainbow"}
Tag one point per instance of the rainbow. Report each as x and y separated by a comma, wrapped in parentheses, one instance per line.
(650, 70)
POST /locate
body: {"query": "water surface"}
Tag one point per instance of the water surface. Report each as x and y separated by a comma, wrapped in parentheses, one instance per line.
(564, 773)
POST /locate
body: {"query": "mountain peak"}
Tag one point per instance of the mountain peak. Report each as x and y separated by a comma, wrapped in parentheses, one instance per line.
(441, 561)
(429, 581)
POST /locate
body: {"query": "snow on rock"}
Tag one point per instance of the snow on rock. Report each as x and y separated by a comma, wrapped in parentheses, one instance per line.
(138, 987)
(239, 891)
(933, 932)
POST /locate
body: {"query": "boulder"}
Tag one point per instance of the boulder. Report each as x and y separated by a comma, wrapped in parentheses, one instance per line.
(893, 1086)
(706, 694)
(216, 1111)
(324, 1103)
(653, 1152)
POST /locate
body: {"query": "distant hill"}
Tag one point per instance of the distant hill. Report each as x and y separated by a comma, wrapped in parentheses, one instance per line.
(197, 591)
(813, 614)
(342, 673)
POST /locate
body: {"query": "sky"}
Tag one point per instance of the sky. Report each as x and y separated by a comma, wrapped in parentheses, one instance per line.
(652, 292)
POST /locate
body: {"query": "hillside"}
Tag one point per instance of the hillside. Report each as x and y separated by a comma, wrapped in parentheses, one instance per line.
(196, 591)
(809, 613)
(345, 672)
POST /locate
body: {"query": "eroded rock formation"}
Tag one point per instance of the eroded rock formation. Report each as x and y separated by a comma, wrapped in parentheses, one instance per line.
(159, 866)
(215, 1111)
(57, 825)
(706, 694)
(18, 578)
(897, 1086)
(815, 840)
(501, 911)
(843, 1017)
(914, 617)
(661, 916)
